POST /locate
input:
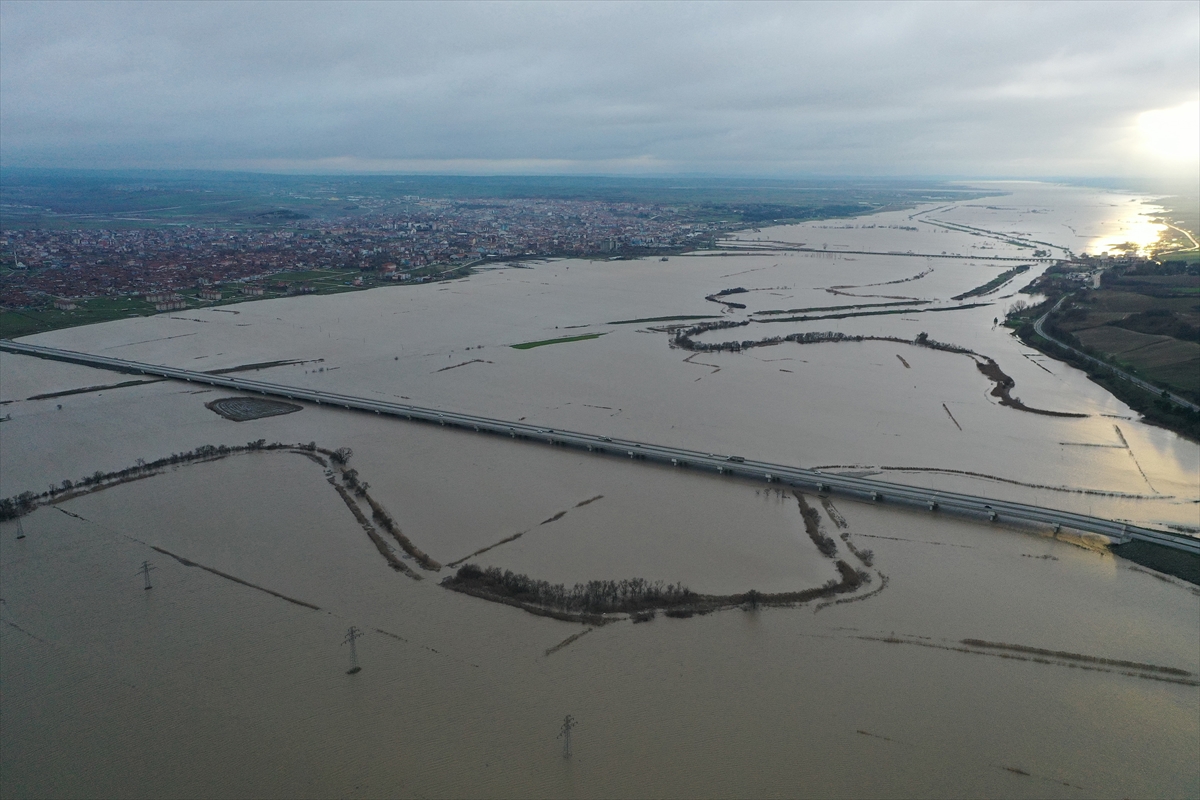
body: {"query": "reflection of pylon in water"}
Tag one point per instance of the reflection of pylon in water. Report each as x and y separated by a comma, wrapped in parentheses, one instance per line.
(145, 572)
(565, 734)
(351, 635)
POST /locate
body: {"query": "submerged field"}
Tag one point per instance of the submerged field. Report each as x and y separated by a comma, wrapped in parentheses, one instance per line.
(235, 649)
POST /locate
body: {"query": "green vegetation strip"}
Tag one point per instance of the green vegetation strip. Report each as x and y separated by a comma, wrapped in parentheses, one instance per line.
(994, 283)
(658, 319)
(88, 389)
(875, 313)
(843, 308)
(544, 342)
(14, 323)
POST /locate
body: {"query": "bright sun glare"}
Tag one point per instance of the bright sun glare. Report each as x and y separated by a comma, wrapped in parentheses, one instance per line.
(1172, 133)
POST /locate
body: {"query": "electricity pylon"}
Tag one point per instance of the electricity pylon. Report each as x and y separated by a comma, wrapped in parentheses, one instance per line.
(145, 572)
(565, 734)
(20, 530)
(351, 635)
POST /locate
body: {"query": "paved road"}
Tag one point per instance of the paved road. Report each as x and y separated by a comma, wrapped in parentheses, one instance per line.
(1037, 326)
(733, 465)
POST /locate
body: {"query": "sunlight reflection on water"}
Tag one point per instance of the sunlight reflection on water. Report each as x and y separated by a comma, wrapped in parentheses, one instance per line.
(1136, 229)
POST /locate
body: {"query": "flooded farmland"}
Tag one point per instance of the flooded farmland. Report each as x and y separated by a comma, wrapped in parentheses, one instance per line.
(978, 660)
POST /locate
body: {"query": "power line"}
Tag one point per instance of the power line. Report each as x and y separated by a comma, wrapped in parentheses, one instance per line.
(145, 572)
(351, 636)
(565, 734)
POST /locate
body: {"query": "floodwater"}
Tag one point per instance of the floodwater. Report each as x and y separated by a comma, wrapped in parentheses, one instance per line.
(207, 686)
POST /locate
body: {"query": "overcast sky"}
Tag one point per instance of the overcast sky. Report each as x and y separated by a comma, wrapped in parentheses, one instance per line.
(938, 89)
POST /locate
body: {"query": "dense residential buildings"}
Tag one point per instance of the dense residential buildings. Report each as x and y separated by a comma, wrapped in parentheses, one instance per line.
(37, 264)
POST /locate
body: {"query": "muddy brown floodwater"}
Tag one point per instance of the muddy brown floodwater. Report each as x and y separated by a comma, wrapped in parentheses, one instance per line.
(978, 660)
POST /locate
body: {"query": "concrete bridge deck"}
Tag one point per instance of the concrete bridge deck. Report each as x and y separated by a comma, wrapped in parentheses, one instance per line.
(811, 480)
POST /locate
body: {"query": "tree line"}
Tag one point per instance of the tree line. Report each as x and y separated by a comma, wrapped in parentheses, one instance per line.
(593, 597)
(684, 339)
(25, 502)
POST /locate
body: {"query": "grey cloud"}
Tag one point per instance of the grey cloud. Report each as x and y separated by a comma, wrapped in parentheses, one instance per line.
(866, 88)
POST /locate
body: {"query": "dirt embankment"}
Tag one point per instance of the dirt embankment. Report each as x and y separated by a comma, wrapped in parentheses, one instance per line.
(89, 389)
(812, 526)
(1038, 655)
(385, 520)
(1020, 648)
(910, 278)
(228, 577)
(1003, 390)
(492, 546)
(567, 641)
(376, 539)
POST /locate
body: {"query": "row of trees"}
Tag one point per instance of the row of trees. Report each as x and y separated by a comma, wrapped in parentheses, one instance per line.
(684, 338)
(25, 502)
(639, 598)
(716, 298)
(596, 597)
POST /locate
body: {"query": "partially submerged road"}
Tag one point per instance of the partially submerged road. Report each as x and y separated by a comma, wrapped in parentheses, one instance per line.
(1037, 326)
(798, 477)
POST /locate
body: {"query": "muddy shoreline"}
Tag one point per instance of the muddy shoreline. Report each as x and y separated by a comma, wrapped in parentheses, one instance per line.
(1003, 391)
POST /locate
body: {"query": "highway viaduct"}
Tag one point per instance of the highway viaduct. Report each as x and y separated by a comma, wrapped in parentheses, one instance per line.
(864, 489)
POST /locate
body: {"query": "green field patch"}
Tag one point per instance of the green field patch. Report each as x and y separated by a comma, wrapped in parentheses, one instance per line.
(659, 319)
(1154, 335)
(562, 340)
(24, 322)
(1158, 358)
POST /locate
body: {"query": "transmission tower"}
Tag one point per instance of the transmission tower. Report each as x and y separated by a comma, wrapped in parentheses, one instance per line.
(351, 635)
(564, 733)
(145, 572)
(20, 530)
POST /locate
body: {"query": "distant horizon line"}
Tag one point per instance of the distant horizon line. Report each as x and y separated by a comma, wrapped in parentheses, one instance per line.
(1106, 181)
